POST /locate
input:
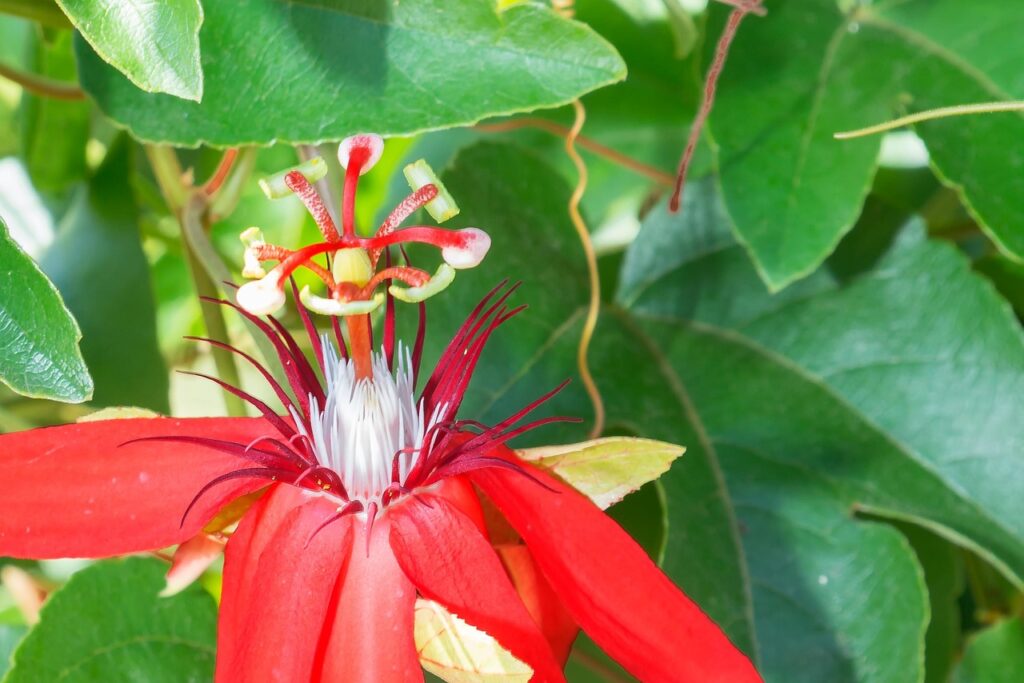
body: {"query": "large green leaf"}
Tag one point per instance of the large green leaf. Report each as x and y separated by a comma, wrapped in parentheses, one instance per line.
(894, 391)
(97, 262)
(39, 353)
(792, 190)
(312, 71)
(996, 655)
(154, 44)
(108, 623)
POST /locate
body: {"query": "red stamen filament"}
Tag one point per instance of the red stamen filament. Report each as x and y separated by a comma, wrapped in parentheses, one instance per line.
(414, 277)
(271, 252)
(438, 237)
(406, 208)
(298, 184)
(356, 159)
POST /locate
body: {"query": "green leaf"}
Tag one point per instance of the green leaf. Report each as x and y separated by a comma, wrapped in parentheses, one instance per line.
(944, 576)
(456, 652)
(605, 470)
(10, 635)
(955, 66)
(154, 44)
(39, 353)
(896, 393)
(108, 624)
(313, 71)
(792, 190)
(996, 655)
(97, 261)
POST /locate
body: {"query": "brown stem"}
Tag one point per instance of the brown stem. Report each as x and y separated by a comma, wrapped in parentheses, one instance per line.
(586, 143)
(223, 168)
(743, 8)
(42, 86)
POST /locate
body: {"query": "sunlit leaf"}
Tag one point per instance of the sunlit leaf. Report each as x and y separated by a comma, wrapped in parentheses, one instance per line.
(154, 44)
(314, 71)
(39, 353)
(606, 470)
(456, 652)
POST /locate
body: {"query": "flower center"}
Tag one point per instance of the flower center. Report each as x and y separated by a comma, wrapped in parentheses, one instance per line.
(369, 430)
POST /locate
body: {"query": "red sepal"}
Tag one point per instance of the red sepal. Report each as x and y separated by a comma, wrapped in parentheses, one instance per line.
(450, 561)
(371, 638)
(277, 589)
(75, 491)
(609, 584)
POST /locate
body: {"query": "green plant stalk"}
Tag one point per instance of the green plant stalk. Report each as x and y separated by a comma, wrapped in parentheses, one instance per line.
(216, 328)
(187, 208)
(46, 12)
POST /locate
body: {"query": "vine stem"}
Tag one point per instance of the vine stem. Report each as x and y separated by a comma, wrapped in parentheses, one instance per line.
(586, 143)
(933, 114)
(594, 305)
(42, 86)
(741, 9)
(188, 206)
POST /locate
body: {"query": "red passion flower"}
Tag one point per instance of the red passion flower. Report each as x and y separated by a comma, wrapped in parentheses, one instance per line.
(362, 495)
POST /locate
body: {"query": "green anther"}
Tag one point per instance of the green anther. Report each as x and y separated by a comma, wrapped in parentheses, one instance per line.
(334, 307)
(352, 265)
(442, 207)
(274, 187)
(438, 282)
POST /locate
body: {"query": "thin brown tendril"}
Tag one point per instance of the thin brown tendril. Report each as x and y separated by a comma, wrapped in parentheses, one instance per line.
(741, 9)
(933, 114)
(595, 283)
(586, 143)
(42, 86)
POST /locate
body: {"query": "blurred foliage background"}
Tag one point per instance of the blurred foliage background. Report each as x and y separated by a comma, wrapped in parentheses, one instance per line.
(832, 329)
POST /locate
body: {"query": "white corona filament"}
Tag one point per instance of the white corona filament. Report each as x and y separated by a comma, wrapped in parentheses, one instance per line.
(365, 422)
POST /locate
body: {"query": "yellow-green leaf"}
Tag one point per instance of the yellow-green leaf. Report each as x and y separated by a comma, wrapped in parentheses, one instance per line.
(118, 413)
(606, 470)
(456, 652)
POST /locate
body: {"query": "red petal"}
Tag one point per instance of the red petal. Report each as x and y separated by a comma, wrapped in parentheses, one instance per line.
(371, 639)
(610, 586)
(450, 561)
(277, 591)
(540, 599)
(75, 491)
